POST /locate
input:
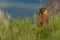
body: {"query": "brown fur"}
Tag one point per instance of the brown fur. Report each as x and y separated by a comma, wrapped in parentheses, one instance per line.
(43, 16)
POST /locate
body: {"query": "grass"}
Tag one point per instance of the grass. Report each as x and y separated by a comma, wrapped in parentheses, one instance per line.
(23, 29)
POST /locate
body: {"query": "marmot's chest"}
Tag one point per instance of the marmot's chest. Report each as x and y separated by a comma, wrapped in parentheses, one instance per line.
(43, 17)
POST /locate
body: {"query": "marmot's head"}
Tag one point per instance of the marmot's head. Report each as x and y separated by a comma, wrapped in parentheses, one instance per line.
(42, 10)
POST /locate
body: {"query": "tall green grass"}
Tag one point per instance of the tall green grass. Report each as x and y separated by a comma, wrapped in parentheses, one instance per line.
(23, 29)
